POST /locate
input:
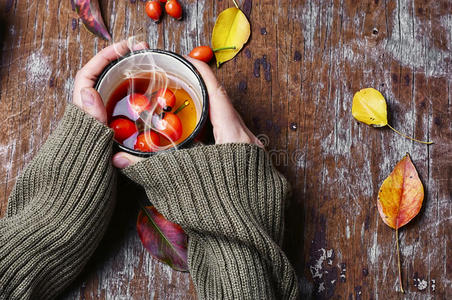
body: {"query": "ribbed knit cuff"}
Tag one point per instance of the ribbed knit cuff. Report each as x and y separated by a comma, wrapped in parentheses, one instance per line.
(198, 181)
(230, 201)
(58, 210)
(77, 134)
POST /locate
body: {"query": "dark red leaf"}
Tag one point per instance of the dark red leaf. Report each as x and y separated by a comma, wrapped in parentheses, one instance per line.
(165, 240)
(89, 12)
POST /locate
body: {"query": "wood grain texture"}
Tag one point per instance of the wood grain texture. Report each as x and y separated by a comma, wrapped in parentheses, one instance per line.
(293, 84)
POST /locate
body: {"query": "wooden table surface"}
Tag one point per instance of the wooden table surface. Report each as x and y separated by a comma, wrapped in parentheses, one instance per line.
(293, 83)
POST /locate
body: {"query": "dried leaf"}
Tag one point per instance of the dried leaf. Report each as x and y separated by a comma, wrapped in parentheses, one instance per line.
(231, 29)
(400, 199)
(165, 240)
(401, 194)
(369, 106)
(89, 12)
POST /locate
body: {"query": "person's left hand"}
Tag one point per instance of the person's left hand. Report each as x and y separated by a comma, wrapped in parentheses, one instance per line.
(84, 94)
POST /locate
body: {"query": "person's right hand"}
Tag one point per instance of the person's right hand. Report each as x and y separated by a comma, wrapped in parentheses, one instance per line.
(228, 126)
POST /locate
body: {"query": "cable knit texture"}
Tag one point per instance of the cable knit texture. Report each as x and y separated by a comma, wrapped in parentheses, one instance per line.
(58, 210)
(230, 201)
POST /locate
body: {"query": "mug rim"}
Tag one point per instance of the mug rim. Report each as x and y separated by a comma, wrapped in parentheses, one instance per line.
(205, 102)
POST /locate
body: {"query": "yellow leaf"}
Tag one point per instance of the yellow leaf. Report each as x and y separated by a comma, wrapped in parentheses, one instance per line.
(369, 106)
(231, 29)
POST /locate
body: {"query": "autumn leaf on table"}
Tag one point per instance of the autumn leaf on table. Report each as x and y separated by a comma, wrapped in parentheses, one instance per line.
(165, 240)
(232, 29)
(369, 106)
(89, 13)
(400, 199)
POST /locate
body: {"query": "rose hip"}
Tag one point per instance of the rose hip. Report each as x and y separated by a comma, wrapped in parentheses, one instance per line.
(203, 53)
(123, 128)
(166, 99)
(148, 141)
(139, 103)
(154, 10)
(174, 9)
(168, 125)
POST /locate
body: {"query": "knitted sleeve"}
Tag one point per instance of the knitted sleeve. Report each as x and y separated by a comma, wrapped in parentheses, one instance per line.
(229, 199)
(58, 210)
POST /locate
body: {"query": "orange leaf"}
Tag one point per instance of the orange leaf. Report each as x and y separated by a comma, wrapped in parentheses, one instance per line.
(401, 194)
(400, 199)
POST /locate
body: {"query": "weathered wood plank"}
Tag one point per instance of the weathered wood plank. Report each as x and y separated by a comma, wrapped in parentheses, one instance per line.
(293, 84)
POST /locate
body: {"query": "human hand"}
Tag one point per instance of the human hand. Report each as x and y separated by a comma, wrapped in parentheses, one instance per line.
(84, 94)
(228, 126)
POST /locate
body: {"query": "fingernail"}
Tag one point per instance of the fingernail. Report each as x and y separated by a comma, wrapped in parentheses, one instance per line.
(87, 97)
(121, 162)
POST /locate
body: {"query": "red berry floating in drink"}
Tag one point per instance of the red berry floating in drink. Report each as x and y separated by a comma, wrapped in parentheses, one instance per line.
(123, 128)
(168, 125)
(166, 99)
(148, 141)
(138, 103)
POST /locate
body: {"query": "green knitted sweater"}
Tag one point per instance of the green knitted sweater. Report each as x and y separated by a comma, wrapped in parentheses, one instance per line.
(228, 198)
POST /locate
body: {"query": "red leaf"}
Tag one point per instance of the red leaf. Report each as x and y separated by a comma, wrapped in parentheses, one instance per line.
(89, 12)
(165, 240)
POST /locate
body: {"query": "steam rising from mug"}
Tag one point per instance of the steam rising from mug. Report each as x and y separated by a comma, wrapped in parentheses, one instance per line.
(147, 69)
(162, 69)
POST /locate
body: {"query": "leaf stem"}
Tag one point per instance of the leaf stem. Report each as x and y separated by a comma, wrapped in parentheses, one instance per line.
(145, 210)
(398, 259)
(225, 48)
(185, 104)
(404, 135)
(235, 3)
